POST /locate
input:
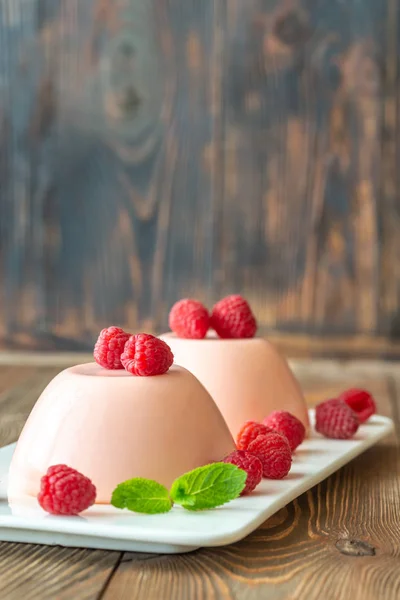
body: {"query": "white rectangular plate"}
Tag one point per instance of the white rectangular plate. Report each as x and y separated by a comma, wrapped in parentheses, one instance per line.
(179, 530)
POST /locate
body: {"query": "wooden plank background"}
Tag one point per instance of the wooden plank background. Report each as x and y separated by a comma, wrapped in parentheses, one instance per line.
(153, 149)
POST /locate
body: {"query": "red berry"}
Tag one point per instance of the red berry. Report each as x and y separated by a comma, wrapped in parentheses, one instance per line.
(231, 317)
(361, 402)
(274, 452)
(249, 463)
(249, 432)
(189, 319)
(146, 355)
(287, 424)
(64, 491)
(109, 347)
(334, 419)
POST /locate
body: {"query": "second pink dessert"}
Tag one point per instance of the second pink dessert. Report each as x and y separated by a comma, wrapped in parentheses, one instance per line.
(247, 378)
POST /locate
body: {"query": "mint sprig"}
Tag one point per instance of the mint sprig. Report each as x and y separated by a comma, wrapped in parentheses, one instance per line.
(203, 488)
(209, 486)
(142, 496)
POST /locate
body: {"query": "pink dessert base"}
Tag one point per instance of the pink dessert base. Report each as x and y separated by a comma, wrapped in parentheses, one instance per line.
(113, 426)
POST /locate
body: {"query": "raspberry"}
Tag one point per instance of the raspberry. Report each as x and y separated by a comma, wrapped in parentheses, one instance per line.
(146, 355)
(288, 425)
(361, 402)
(334, 419)
(64, 491)
(249, 432)
(189, 319)
(231, 317)
(109, 347)
(249, 463)
(274, 452)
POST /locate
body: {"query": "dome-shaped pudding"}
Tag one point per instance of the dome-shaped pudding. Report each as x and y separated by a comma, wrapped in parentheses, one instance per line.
(247, 378)
(113, 426)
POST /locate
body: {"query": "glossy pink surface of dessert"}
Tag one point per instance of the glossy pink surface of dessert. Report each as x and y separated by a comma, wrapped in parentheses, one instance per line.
(113, 426)
(247, 378)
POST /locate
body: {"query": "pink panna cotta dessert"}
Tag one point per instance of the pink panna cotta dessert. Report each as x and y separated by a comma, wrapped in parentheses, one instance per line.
(246, 375)
(113, 426)
(247, 378)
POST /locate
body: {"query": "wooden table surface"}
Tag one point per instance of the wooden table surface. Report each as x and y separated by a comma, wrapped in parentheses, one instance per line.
(340, 539)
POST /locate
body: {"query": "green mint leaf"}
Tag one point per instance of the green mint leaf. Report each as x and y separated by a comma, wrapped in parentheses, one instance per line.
(209, 486)
(142, 496)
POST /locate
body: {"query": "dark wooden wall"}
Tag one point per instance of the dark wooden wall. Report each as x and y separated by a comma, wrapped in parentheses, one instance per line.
(154, 149)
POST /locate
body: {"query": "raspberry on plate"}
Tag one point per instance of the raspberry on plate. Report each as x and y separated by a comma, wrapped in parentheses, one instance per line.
(273, 450)
(287, 424)
(189, 319)
(65, 491)
(249, 463)
(109, 347)
(334, 419)
(361, 402)
(146, 355)
(232, 317)
(249, 432)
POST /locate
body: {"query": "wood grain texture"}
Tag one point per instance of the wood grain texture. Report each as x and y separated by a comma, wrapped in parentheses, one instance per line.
(153, 150)
(304, 131)
(109, 164)
(32, 572)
